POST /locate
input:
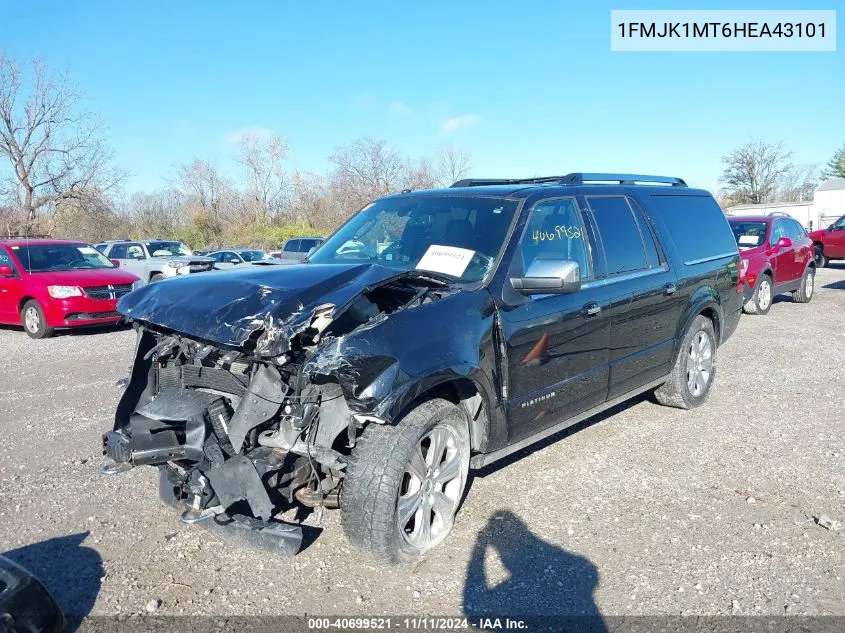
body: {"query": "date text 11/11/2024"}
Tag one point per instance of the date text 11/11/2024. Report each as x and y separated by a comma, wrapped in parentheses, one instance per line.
(415, 624)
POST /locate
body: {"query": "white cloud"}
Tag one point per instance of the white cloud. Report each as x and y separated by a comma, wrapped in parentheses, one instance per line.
(236, 136)
(459, 122)
(400, 109)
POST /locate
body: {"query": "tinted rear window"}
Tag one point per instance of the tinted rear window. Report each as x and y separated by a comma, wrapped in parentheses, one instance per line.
(696, 224)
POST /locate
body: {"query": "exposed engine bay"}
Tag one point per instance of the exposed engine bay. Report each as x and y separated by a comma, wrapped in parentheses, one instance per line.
(243, 434)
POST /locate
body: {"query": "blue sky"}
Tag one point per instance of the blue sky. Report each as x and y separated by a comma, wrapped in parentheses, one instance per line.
(527, 87)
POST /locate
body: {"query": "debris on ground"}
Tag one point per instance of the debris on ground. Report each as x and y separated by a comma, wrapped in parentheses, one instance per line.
(827, 523)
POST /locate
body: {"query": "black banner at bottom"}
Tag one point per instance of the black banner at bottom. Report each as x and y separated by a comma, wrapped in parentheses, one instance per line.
(409, 624)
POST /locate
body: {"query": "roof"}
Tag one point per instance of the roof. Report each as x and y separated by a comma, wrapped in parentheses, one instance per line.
(28, 241)
(519, 191)
(754, 218)
(833, 184)
(772, 205)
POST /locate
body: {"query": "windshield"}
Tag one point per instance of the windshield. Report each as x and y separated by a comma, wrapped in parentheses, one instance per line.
(252, 256)
(749, 234)
(167, 249)
(41, 258)
(460, 236)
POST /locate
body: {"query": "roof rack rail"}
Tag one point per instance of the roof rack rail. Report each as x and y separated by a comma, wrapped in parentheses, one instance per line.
(575, 179)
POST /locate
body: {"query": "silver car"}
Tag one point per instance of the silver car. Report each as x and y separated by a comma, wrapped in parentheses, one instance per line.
(234, 258)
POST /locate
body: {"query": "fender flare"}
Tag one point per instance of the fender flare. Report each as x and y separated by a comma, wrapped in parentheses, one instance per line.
(704, 300)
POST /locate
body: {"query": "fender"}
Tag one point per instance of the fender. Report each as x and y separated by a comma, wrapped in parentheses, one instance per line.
(704, 298)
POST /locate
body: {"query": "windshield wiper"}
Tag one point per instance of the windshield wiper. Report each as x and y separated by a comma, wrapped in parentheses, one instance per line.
(440, 278)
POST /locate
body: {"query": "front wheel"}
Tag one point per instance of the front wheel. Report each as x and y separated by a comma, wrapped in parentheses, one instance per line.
(156, 277)
(807, 287)
(404, 483)
(34, 323)
(821, 259)
(694, 370)
(761, 300)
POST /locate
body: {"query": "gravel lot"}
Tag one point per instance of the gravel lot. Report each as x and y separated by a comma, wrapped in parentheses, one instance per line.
(647, 511)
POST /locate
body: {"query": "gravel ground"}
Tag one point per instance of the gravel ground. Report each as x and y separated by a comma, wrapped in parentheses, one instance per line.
(646, 511)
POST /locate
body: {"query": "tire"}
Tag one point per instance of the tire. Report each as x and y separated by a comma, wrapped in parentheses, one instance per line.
(697, 352)
(156, 277)
(807, 288)
(34, 323)
(763, 297)
(381, 473)
(821, 260)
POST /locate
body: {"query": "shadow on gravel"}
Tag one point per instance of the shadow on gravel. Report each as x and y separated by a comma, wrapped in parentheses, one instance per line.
(544, 580)
(70, 571)
(836, 285)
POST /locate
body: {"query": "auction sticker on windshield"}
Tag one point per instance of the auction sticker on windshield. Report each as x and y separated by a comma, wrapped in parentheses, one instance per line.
(87, 250)
(449, 260)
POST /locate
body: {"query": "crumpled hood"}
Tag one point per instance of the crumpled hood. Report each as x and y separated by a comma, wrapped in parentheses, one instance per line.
(228, 307)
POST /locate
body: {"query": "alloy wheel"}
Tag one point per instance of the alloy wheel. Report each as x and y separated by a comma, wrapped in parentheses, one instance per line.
(764, 294)
(699, 364)
(809, 285)
(431, 489)
(32, 319)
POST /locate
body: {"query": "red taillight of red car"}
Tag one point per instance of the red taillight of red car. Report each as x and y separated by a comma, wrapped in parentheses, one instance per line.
(743, 270)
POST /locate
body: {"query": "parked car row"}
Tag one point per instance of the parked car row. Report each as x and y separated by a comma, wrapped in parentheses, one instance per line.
(46, 284)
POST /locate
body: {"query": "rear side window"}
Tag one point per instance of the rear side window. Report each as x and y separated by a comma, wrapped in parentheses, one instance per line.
(625, 235)
(696, 224)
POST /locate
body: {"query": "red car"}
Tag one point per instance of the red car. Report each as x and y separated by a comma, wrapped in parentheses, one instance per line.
(776, 257)
(829, 243)
(48, 284)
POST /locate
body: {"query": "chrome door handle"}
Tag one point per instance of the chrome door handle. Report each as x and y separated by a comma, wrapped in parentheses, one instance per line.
(670, 289)
(591, 309)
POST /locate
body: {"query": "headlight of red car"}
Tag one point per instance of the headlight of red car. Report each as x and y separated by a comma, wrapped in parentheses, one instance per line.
(63, 292)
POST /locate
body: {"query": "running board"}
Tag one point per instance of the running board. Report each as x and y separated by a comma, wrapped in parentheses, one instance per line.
(480, 461)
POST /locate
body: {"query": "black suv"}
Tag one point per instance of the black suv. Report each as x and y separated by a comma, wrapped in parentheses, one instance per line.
(434, 332)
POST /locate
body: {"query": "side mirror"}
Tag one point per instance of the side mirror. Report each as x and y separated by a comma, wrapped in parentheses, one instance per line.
(549, 276)
(783, 242)
(6, 271)
(116, 263)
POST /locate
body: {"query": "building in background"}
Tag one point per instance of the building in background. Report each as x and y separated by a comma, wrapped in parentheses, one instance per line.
(827, 205)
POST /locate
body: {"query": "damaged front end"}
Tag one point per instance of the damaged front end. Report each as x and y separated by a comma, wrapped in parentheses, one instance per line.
(244, 433)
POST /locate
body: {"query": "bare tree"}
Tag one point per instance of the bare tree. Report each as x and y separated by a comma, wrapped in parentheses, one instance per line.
(798, 183)
(261, 157)
(206, 188)
(366, 169)
(754, 172)
(55, 149)
(453, 165)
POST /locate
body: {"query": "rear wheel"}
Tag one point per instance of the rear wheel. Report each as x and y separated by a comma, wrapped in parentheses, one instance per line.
(34, 323)
(821, 260)
(404, 483)
(694, 370)
(761, 300)
(807, 287)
